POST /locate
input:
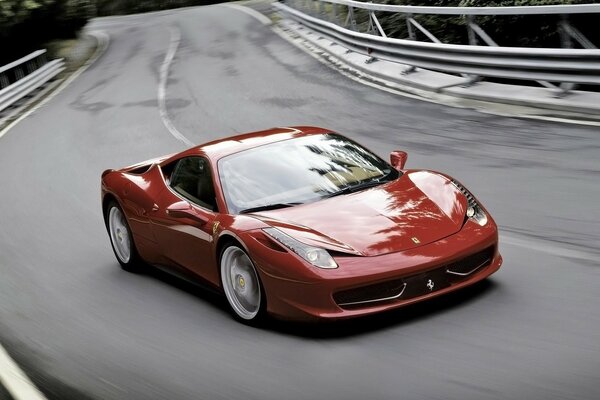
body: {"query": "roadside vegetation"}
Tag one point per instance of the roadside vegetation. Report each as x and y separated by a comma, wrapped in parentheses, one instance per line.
(28, 25)
(525, 31)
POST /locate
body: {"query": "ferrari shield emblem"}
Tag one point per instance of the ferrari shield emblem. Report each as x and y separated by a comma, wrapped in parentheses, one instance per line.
(430, 285)
(415, 239)
(215, 227)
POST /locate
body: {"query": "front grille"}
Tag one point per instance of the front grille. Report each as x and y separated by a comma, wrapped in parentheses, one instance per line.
(415, 285)
(470, 264)
(367, 294)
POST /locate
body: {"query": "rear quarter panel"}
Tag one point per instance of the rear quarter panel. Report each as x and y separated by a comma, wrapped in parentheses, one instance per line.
(135, 193)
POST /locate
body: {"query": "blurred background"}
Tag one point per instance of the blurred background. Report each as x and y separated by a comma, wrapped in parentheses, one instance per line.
(26, 25)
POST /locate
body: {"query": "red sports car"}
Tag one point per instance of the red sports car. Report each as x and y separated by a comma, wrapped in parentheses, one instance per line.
(300, 223)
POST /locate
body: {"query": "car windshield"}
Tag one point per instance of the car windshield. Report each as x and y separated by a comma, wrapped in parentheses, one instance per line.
(297, 171)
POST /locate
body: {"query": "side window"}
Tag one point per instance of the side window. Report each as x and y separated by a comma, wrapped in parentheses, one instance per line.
(192, 179)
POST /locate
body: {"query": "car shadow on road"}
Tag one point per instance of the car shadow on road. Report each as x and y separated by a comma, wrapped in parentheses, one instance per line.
(200, 290)
(386, 320)
(343, 328)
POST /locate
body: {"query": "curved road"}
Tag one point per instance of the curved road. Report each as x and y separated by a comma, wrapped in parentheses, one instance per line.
(81, 328)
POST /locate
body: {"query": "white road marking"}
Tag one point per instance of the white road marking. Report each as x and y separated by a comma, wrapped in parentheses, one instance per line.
(548, 247)
(103, 42)
(15, 380)
(560, 120)
(250, 11)
(162, 88)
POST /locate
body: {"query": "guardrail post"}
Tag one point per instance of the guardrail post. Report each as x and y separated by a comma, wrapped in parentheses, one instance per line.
(334, 13)
(563, 30)
(371, 28)
(378, 25)
(566, 42)
(411, 36)
(351, 18)
(4, 81)
(409, 27)
(472, 36)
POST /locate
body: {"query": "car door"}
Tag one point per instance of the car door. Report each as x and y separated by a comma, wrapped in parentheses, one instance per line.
(183, 223)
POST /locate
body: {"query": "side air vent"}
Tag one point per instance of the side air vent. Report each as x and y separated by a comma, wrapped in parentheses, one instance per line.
(139, 170)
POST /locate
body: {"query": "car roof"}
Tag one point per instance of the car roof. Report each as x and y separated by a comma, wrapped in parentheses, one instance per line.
(220, 148)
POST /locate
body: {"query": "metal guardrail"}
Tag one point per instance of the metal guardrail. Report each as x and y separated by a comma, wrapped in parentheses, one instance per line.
(432, 10)
(21, 77)
(567, 66)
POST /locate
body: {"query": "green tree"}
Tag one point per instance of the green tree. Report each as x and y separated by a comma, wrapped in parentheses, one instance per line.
(518, 30)
(26, 24)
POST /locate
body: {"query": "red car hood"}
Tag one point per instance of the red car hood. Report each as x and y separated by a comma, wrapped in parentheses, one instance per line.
(418, 208)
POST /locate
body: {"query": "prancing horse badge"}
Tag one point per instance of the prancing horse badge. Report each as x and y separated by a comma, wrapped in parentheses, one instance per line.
(430, 285)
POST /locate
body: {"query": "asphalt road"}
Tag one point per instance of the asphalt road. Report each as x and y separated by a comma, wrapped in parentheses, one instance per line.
(82, 328)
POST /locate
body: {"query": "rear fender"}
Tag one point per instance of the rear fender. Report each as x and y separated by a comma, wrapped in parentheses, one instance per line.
(137, 194)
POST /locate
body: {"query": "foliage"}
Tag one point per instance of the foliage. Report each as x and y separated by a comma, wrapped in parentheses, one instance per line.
(25, 25)
(519, 30)
(114, 7)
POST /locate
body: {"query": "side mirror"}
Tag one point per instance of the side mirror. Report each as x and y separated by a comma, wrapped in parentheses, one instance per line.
(183, 209)
(398, 159)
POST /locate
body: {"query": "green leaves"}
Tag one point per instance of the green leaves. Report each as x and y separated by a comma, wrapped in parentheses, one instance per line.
(518, 30)
(26, 24)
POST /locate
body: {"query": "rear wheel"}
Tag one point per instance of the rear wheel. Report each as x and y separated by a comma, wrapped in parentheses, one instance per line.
(121, 239)
(241, 284)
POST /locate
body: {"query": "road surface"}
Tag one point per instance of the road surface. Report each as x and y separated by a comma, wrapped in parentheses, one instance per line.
(83, 329)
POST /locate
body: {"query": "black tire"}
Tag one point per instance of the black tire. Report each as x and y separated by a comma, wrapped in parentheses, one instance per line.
(125, 252)
(233, 287)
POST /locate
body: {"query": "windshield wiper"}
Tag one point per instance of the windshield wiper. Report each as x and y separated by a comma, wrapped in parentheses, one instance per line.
(268, 207)
(357, 188)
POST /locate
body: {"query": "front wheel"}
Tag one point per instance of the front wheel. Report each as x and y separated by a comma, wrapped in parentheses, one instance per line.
(241, 284)
(121, 239)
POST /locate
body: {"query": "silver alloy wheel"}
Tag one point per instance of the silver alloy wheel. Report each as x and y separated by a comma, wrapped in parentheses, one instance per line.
(240, 282)
(119, 234)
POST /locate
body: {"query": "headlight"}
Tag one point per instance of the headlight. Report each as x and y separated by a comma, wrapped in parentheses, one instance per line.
(314, 255)
(474, 210)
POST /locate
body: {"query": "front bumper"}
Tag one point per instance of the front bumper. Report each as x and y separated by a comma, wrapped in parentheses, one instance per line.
(404, 278)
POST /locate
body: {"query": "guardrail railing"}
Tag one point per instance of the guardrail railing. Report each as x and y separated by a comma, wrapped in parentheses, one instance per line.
(566, 65)
(23, 76)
